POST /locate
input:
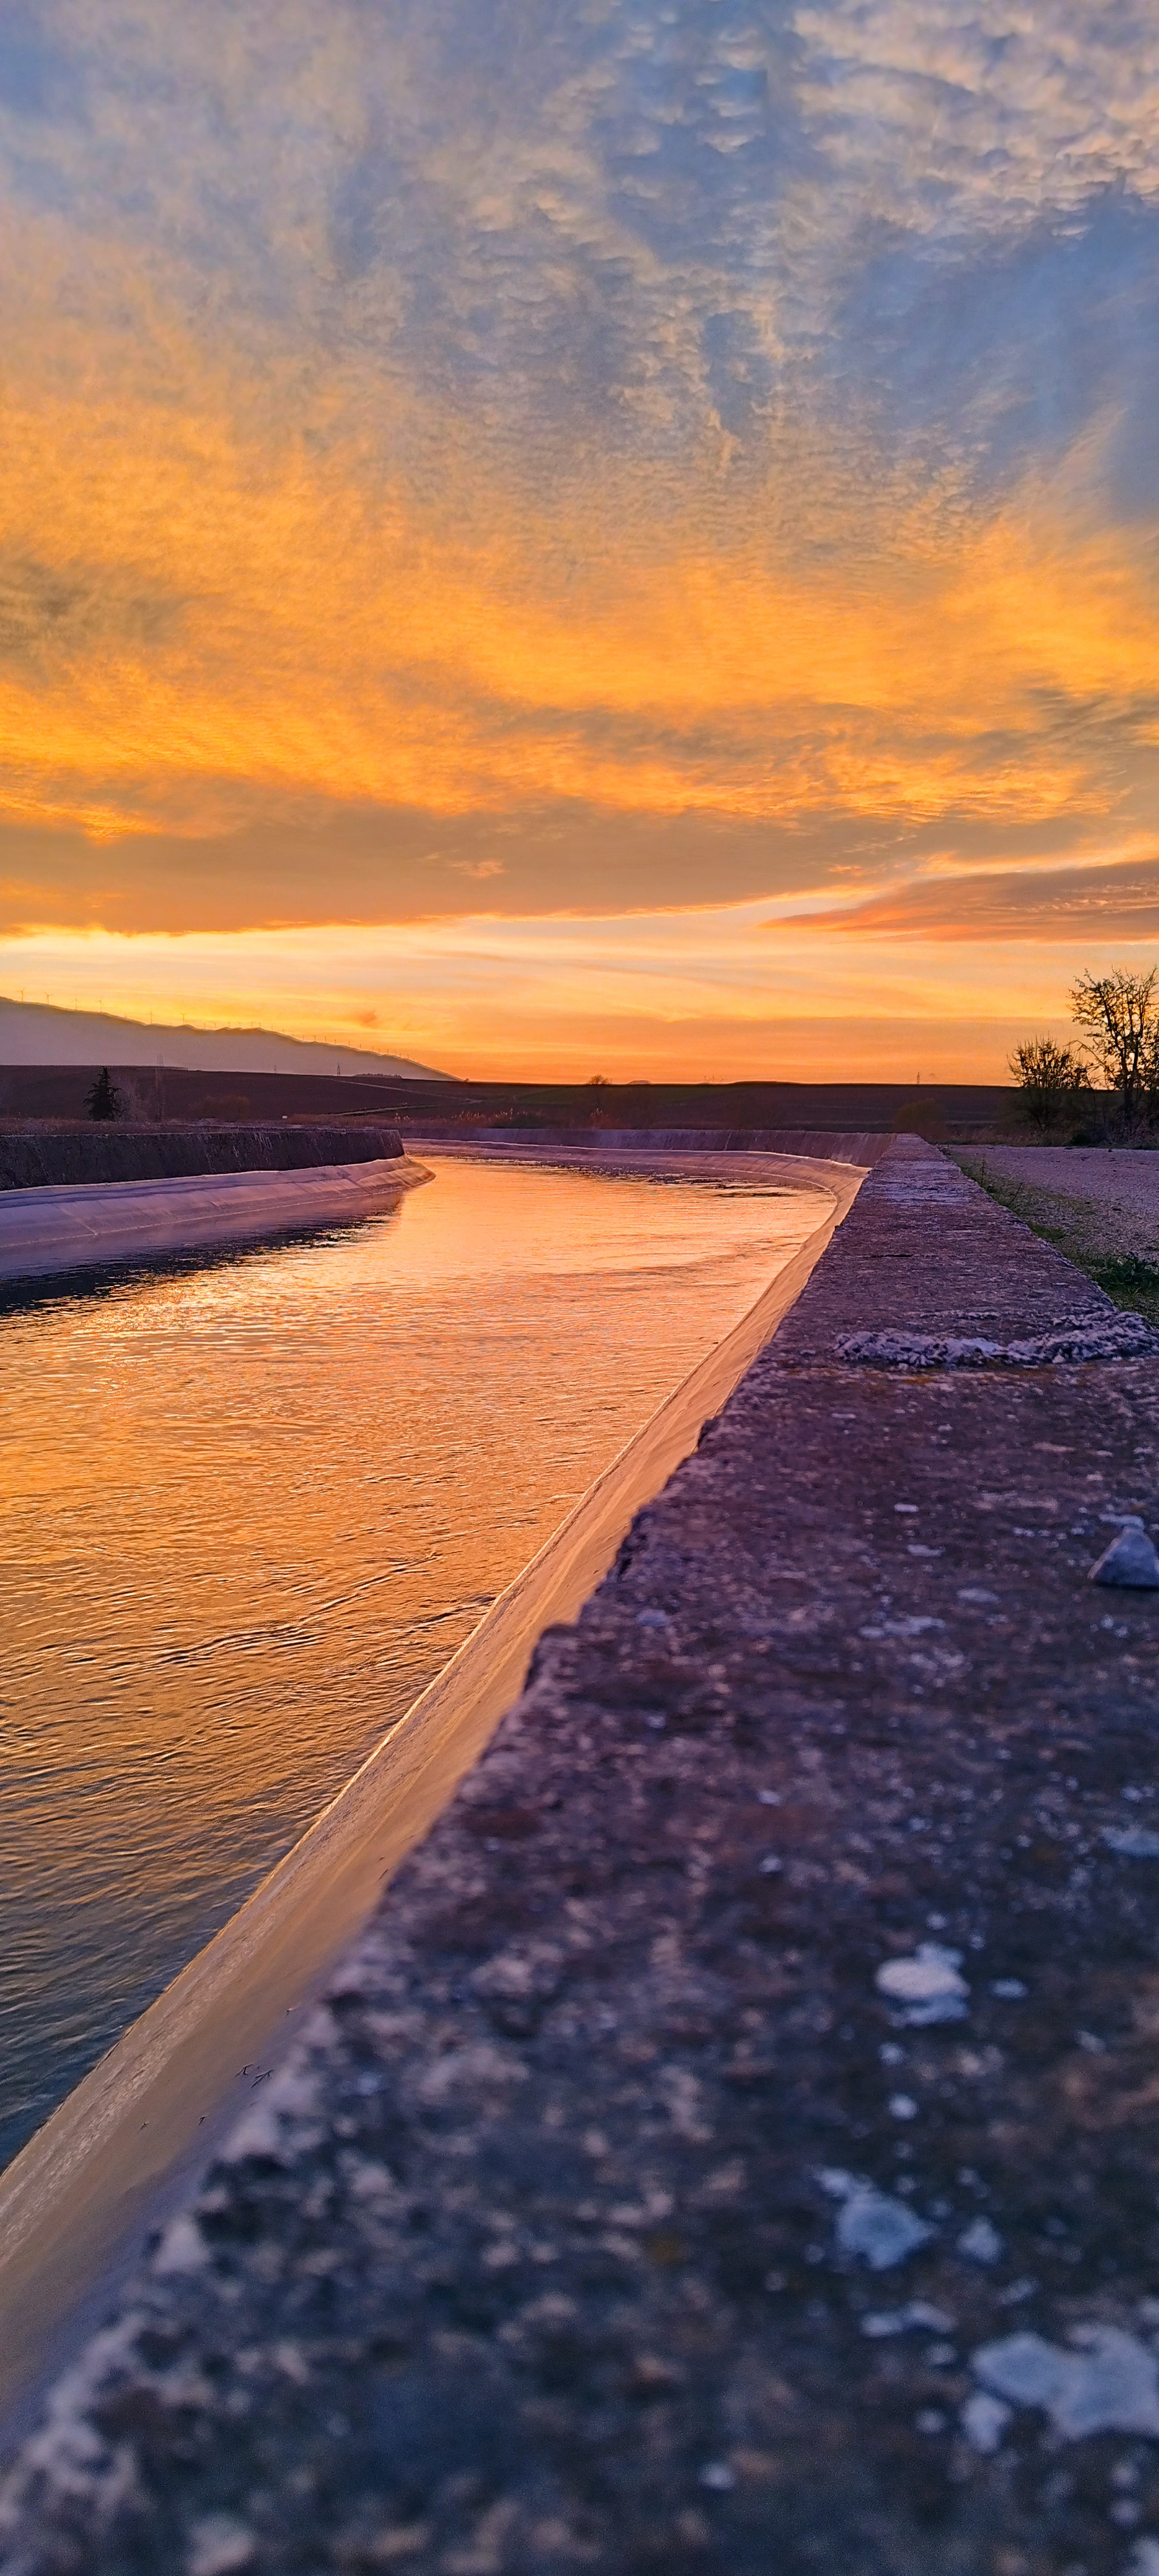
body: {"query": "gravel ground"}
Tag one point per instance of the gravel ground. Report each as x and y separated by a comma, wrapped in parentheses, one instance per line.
(732, 2146)
(1106, 1198)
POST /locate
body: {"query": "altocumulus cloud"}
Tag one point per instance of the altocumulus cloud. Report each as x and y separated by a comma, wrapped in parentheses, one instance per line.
(594, 445)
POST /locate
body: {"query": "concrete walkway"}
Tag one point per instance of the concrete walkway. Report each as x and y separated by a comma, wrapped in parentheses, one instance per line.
(733, 2146)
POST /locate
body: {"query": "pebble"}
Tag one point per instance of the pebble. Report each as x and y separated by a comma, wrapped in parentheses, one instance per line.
(1108, 2384)
(928, 1984)
(881, 2230)
(1133, 1841)
(981, 2242)
(984, 2420)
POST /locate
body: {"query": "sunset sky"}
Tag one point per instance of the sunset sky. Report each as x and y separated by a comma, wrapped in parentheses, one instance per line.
(583, 536)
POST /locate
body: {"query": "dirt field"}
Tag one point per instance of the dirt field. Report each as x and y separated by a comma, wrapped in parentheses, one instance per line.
(1099, 1203)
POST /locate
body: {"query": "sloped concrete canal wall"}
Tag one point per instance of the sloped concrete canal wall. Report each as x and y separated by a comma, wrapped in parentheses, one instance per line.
(864, 1147)
(47, 1232)
(732, 2145)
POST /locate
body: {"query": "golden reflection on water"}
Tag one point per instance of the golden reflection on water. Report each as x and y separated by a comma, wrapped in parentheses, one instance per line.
(249, 1509)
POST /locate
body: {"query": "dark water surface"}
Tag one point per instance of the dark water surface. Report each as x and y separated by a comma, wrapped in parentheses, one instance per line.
(251, 1506)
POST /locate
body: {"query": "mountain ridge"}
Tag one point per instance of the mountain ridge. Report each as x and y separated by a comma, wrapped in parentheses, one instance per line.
(49, 1033)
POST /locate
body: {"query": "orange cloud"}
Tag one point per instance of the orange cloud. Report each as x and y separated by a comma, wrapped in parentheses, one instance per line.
(212, 590)
(676, 994)
(1072, 903)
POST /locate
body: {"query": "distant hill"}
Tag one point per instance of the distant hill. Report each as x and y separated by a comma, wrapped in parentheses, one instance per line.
(971, 1112)
(41, 1033)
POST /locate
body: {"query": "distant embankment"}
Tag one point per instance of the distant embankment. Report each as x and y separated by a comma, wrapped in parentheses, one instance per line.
(52, 1158)
(865, 1146)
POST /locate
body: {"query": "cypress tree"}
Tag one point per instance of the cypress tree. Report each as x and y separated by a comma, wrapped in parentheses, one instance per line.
(104, 1100)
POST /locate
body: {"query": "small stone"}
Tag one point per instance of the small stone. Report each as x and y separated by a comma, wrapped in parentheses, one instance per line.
(718, 2476)
(903, 2106)
(1129, 1561)
(1009, 1990)
(218, 2545)
(183, 2248)
(1108, 2384)
(928, 1985)
(919, 2316)
(1133, 1841)
(981, 2242)
(1017, 2292)
(881, 2230)
(984, 2421)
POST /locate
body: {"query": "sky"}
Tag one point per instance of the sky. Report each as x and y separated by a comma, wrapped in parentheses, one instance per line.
(566, 536)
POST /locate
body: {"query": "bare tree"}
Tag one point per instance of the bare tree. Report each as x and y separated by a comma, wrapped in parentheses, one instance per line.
(1119, 1016)
(1049, 1078)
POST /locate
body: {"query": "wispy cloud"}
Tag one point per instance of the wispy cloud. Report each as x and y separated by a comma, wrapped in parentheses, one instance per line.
(721, 992)
(1092, 903)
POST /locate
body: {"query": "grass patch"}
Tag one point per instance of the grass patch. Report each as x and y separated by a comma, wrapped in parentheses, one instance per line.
(1130, 1280)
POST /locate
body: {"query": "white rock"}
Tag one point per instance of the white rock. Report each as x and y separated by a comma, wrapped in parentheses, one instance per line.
(1108, 2384)
(883, 2231)
(928, 1985)
(1130, 1560)
(981, 2242)
(1133, 1841)
(217, 2545)
(984, 2420)
(182, 2248)
(870, 2223)
(919, 2315)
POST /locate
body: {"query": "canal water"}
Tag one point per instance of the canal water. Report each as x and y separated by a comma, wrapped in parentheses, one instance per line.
(252, 1502)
